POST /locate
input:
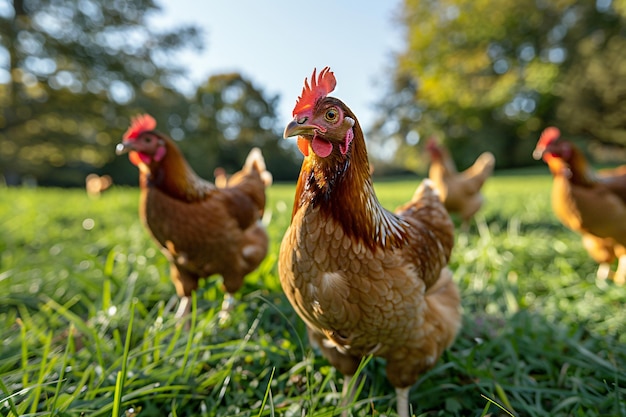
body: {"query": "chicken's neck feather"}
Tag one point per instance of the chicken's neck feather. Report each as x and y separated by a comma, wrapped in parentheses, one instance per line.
(576, 169)
(340, 186)
(173, 176)
(582, 173)
(447, 162)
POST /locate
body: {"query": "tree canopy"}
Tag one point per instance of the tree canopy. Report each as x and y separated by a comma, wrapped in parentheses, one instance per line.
(490, 75)
(69, 69)
(73, 72)
(226, 118)
(479, 75)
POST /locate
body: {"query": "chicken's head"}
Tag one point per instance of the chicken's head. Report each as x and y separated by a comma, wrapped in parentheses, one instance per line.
(433, 148)
(558, 154)
(321, 123)
(548, 137)
(145, 145)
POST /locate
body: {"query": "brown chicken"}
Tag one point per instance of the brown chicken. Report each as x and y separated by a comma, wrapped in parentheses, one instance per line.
(96, 184)
(459, 191)
(588, 202)
(202, 230)
(364, 280)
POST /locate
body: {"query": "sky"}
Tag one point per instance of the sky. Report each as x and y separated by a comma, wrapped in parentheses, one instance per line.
(277, 43)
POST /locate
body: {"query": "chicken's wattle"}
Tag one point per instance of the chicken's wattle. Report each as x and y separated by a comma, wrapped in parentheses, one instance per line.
(321, 147)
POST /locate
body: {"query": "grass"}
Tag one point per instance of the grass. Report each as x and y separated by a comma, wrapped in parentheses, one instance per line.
(86, 314)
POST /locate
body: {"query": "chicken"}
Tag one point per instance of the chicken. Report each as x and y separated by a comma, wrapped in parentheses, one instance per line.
(220, 177)
(588, 202)
(460, 192)
(364, 280)
(202, 230)
(96, 184)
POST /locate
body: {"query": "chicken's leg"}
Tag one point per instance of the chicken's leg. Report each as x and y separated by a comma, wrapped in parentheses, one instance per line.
(184, 306)
(347, 395)
(604, 270)
(184, 282)
(227, 307)
(402, 401)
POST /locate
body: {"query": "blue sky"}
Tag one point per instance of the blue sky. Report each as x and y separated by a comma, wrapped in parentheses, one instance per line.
(276, 44)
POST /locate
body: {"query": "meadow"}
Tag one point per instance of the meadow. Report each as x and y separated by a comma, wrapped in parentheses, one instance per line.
(88, 327)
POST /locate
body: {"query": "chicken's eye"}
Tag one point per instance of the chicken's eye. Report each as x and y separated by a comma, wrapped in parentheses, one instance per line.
(331, 115)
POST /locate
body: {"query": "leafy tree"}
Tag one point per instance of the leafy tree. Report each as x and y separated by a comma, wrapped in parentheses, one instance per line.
(229, 116)
(490, 75)
(68, 69)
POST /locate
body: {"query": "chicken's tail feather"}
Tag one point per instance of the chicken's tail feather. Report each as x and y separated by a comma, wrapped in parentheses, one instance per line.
(256, 161)
(427, 213)
(426, 191)
(487, 161)
(481, 169)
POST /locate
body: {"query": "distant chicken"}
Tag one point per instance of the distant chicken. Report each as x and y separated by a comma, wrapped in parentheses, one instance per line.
(588, 202)
(221, 178)
(364, 280)
(202, 230)
(460, 192)
(96, 184)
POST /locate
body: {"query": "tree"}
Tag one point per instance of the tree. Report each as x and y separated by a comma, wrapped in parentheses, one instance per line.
(69, 72)
(491, 75)
(228, 117)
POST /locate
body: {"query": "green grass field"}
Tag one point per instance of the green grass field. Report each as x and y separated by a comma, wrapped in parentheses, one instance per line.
(88, 328)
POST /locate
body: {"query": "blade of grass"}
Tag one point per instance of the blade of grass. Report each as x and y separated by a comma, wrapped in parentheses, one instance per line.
(487, 405)
(24, 350)
(8, 399)
(356, 380)
(80, 324)
(497, 405)
(69, 346)
(268, 394)
(298, 338)
(121, 376)
(117, 396)
(190, 335)
(82, 384)
(503, 397)
(228, 366)
(106, 294)
(44, 370)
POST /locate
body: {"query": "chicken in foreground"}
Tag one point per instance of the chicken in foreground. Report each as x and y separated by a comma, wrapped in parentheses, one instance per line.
(202, 230)
(588, 202)
(459, 191)
(364, 280)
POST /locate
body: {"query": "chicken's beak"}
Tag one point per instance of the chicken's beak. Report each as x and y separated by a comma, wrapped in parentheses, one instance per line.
(538, 153)
(298, 127)
(123, 148)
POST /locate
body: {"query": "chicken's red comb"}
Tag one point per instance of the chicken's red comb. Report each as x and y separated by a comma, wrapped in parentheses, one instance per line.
(139, 124)
(549, 135)
(320, 87)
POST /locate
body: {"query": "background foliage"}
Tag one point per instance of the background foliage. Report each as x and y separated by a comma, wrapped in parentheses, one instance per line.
(488, 75)
(69, 70)
(480, 75)
(73, 72)
(86, 306)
